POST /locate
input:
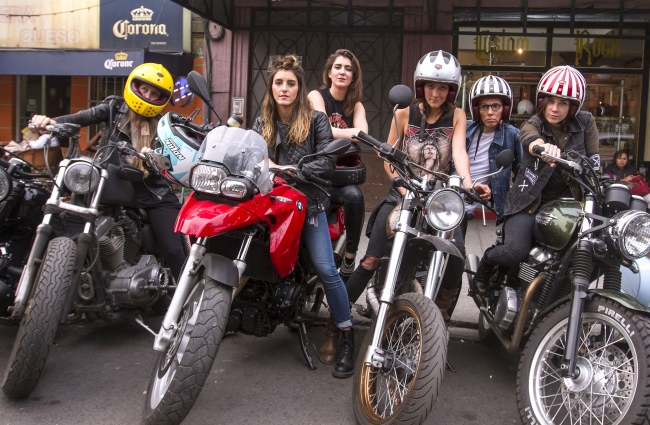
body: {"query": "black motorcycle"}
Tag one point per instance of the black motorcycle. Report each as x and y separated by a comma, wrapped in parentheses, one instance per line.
(586, 349)
(94, 257)
(22, 197)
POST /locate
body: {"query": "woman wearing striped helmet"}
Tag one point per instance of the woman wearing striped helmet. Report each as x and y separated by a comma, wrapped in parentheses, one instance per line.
(558, 125)
(488, 135)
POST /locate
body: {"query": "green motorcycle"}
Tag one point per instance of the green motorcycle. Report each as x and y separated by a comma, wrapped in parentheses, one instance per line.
(586, 344)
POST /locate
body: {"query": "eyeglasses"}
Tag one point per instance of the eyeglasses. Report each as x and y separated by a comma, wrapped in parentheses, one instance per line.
(495, 107)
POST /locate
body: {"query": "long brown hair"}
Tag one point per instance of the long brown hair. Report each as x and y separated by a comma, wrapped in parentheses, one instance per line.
(139, 140)
(300, 119)
(355, 90)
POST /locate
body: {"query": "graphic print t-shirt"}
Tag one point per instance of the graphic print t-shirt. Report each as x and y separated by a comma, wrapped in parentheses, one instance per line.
(434, 151)
(334, 110)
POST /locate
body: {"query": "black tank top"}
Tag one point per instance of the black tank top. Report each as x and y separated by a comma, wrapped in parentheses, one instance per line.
(334, 110)
(434, 151)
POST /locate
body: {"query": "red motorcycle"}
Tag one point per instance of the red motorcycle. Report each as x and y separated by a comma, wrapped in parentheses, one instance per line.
(247, 270)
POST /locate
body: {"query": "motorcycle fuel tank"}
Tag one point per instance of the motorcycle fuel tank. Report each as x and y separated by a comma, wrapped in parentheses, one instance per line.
(556, 221)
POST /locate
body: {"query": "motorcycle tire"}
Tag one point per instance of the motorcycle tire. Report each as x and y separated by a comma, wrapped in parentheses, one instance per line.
(180, 372)
(410, 316)
(41, 319)
(613, 355)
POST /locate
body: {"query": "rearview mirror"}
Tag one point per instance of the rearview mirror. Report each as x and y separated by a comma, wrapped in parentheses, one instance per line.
(505, 158)
(199, 86)
(400, 95)
(337, 147)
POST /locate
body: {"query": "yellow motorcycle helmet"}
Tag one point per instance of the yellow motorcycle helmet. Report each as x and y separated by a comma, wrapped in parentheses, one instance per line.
(153, 74)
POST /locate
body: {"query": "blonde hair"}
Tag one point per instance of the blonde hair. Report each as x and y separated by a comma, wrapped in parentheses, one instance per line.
(355, 90)
(139, 140)
(300, 119)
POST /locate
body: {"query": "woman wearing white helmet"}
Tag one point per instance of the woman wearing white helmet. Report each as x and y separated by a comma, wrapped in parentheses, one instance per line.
(133, 119)
(488, 135)
(433, 131)
(558, 125)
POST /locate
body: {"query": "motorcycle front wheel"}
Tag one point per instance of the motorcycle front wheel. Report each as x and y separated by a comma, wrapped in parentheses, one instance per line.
(180, 371)
(41, 319)
(406, 387)
(613, 386)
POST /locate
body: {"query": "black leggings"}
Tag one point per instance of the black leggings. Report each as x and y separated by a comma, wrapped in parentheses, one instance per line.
(351, 198)
(518, 239)
(162, 218)
(376, 248)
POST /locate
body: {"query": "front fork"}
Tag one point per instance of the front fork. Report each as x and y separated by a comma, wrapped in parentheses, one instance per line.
(582, 265)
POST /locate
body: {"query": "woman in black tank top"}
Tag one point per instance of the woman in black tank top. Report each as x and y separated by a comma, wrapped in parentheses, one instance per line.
(340, 99)
(433, 133)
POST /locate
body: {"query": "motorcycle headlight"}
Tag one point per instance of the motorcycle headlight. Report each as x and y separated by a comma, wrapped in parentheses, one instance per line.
(444, 209)
(207, 178)
(5, 184)
(631, 233)
(81, 177)
(235, 188)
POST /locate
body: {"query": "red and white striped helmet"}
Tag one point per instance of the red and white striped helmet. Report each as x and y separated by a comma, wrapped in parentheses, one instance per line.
(565, 82)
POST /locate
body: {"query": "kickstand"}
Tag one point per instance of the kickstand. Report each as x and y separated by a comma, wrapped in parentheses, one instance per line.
(450, 367)
(304, 345)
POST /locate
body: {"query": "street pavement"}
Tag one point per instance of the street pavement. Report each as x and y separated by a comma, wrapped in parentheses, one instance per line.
(97, 373)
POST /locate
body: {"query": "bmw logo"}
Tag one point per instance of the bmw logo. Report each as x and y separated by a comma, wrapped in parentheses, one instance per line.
(299, 205)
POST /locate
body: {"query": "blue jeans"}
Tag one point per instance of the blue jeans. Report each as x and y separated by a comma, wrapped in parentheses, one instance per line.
(319, 246)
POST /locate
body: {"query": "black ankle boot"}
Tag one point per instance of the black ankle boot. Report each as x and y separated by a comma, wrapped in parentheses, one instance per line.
(483, 273)
(344, 367)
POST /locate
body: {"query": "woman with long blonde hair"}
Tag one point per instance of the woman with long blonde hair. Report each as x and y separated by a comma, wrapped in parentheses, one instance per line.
(292, 130)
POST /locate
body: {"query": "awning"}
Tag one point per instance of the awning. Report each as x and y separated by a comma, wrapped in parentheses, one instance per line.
(87, 62)
(220, 11)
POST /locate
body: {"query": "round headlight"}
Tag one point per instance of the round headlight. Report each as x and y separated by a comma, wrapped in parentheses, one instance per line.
(444, 209)
(81, 177)
(235, 189)
(207, 178)
(631, 233)
(5, 184)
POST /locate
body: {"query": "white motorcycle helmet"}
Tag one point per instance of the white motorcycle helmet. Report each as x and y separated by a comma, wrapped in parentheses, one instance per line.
(492, 86)
(438, 66)
(181, 147)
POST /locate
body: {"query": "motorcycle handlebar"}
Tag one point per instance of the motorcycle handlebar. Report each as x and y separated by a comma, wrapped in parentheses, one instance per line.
(187, 122)
(315, 179)
(538, 149)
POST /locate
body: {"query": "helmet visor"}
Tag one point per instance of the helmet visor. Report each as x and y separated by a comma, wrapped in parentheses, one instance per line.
(143, 88)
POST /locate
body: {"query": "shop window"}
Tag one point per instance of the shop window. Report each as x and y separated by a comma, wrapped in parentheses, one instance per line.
(495, 48)
(585, 51)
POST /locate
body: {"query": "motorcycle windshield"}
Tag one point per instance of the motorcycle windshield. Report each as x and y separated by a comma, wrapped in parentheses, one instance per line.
(243, 152)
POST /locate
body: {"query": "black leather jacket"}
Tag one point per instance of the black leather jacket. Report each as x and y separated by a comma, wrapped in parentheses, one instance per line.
(534, 174)
(320, 135)
(113, 111)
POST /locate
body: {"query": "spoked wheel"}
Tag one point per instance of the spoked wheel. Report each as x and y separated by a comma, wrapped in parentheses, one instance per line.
(180, 372)
(405, 388)
(613, 385)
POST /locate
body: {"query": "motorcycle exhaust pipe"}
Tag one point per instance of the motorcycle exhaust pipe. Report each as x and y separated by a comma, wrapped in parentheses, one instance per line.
(512, 346)
(471, 264)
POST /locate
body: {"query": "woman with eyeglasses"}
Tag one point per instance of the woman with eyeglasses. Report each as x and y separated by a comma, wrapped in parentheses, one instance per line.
(488, 135)
(558, 125)
(432, 134)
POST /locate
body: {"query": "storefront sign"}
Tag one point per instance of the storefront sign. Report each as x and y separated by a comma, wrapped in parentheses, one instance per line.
(120, 61)
(155, 25)
(607, 48)
(503, 45)
(70, 62)
(53, 25)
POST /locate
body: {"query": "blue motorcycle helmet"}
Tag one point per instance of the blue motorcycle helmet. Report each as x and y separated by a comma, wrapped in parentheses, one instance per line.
(181, 146)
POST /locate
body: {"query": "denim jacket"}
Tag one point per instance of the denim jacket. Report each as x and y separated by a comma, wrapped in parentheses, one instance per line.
(506, 136)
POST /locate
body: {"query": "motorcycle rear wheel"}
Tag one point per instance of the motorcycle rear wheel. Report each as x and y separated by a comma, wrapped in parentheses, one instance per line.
(415, 337)
(613, 359)
(41, 319)
(180, 372)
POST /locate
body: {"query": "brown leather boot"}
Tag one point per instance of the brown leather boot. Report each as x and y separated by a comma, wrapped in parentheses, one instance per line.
(328, 350)
(446, 302)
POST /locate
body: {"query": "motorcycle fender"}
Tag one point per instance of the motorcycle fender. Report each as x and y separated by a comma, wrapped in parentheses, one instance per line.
(418, 249)
(624, 299)
(220, 269)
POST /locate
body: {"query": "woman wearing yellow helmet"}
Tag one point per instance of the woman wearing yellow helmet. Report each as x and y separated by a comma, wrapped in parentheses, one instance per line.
(134, 119)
